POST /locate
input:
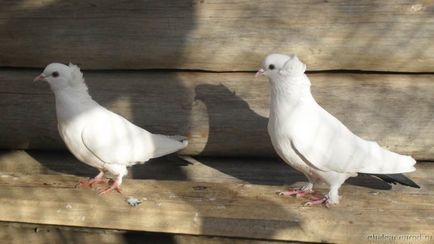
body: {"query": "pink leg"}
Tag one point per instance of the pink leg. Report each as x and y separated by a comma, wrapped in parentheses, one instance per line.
(318, 201)
(90, 182)
(115, 186)
(291, 192)
(305, 190)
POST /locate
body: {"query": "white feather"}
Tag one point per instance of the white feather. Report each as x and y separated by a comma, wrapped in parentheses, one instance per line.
(314, 142)
(97, 136)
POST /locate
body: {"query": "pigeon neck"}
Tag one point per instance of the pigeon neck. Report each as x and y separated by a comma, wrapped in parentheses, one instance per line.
(72, 92)
(286, 94)
(291, 89)
(71, 103)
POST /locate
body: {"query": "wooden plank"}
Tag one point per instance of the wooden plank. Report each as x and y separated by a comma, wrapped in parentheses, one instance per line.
(219, 35)
(260, 171)
(225, 114)
(42, 234)
(221, 209)
(257, 171)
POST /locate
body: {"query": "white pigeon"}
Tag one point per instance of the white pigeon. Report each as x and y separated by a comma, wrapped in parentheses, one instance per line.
(97, 136)
(314, 142)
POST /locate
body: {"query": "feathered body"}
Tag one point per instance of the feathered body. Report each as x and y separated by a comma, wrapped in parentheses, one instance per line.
(313, 141)
(97, 136)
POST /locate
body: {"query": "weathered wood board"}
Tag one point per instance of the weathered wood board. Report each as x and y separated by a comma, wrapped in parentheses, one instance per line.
(237, 173)
(218, 35)
(221, 209)
(43, 234)
(225, 114)
(258, 171)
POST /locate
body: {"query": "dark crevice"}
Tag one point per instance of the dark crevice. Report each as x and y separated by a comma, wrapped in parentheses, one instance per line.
(349, 71)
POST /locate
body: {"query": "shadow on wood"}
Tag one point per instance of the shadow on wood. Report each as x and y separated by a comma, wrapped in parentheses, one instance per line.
(272, 172)
(232, 125)
(222, 209)
(42, 234)
(394, 110)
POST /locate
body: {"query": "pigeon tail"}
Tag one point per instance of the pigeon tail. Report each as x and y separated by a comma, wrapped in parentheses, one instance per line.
(383, 161)
(396, 163)
(182, 139)
(397, 178)
(168, 144)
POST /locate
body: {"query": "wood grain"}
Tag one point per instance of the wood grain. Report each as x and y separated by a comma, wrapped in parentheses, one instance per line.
(258, 171)
(215, 188)
(220, 209)
(225, 114)
(42, 234)
(218, 35)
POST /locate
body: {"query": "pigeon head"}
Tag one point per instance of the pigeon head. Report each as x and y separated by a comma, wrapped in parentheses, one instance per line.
(279, 66)
(60, 76)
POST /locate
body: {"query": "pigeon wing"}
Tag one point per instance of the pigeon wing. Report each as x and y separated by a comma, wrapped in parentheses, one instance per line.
(113, 139)
(330, 146)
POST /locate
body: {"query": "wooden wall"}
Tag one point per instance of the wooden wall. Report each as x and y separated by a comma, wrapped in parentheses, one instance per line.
(218, 35)
(224, 113)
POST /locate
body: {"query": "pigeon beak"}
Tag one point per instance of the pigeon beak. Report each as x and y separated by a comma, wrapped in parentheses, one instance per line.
(259, 73)
(40, 77)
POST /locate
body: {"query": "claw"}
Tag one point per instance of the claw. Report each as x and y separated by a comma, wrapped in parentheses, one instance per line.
(114, 186)
(91, 181)
(323, 200)
(302, 194)
(297, 192)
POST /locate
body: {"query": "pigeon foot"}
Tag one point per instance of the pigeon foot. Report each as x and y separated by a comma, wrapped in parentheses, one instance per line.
(319, 201)
(114, 186)
(90, 182)
(297, 192)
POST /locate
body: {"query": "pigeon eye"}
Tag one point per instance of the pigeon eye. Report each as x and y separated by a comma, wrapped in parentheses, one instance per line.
(55, 74)
(271, 66)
